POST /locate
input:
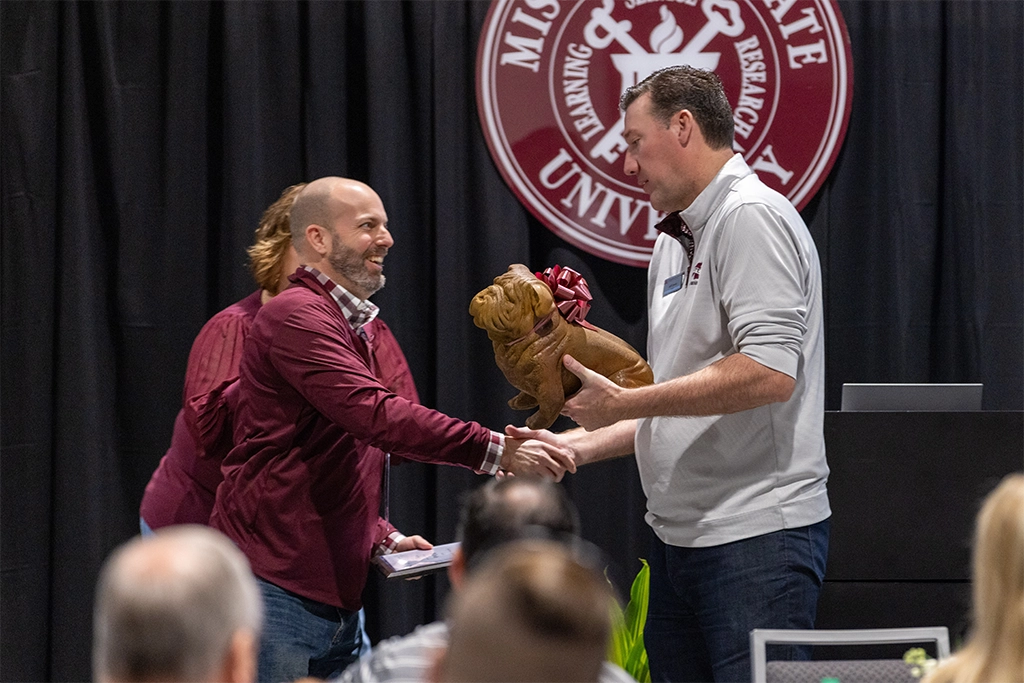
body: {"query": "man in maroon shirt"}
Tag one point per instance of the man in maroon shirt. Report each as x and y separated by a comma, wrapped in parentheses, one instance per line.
(301, 489)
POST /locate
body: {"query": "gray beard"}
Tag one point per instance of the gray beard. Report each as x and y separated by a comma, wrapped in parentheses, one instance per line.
(350, 264)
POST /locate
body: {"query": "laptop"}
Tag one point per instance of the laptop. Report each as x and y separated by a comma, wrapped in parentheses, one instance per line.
(926, 397)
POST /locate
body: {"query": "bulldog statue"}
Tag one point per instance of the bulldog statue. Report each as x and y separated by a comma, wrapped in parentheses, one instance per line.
(530, 335)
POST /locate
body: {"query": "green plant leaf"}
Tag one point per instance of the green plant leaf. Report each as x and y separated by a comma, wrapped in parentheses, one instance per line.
(618, 648)
(627, 645)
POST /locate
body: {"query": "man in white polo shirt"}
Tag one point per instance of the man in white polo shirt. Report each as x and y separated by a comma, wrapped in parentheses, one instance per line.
(729, 440)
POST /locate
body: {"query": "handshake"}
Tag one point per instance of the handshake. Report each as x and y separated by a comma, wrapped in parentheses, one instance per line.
(539, 453)
(537, 329)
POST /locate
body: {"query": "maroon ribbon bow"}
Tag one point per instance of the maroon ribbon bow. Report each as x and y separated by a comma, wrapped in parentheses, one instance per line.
(572, 295)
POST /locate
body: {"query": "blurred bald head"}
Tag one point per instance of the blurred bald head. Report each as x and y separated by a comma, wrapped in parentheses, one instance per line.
(531, 612)
(181, 605)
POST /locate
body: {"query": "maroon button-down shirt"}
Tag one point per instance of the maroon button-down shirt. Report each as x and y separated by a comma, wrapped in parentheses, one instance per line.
(302, 487)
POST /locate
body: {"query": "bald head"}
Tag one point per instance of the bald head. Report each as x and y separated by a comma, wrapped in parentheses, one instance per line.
(321, 202)
(178, 606)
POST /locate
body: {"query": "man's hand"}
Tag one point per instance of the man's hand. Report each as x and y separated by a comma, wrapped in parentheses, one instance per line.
(595, 404)
(585, 447)
(413, 543)
(548, 437)
(530, 456)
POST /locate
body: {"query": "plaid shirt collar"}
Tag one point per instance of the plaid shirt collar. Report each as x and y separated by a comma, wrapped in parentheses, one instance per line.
(358, 312)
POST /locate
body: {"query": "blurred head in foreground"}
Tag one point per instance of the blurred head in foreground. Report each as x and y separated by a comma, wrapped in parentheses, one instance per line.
(530, 612)
(511, 509)
(181, 605)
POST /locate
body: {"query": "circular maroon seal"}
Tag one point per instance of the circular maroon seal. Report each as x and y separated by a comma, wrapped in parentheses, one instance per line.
(550, 73)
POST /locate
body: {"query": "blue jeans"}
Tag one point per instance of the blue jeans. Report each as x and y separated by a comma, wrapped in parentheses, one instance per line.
(704, 601)
(302, 637)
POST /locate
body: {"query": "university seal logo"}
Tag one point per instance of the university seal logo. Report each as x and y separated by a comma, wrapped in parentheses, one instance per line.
(550, 73)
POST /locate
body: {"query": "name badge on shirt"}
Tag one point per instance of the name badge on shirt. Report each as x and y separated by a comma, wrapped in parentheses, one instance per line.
(672, 284)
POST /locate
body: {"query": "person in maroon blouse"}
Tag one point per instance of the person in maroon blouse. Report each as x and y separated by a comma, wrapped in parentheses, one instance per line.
(302, 487)
(181, 490)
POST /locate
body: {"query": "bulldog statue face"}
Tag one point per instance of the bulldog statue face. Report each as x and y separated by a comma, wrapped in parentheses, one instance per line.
(530, 336)
(510, 307)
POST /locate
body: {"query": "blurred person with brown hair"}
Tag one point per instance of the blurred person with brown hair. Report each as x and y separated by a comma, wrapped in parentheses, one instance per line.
(530, 613)
(994, 652)
(178, 605)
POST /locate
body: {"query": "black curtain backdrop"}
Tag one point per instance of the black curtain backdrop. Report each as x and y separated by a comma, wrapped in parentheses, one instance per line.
(142, 140)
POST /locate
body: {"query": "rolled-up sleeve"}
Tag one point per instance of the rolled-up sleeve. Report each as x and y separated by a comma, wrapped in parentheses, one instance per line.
(764, 287)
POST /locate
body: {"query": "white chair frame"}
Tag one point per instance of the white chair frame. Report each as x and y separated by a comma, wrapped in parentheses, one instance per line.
(761, 637)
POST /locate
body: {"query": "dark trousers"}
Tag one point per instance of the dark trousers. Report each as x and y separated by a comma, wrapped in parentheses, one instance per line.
(704, 601)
